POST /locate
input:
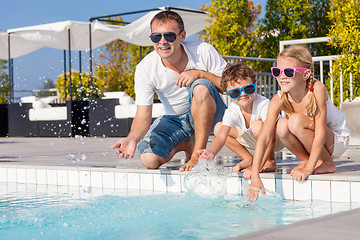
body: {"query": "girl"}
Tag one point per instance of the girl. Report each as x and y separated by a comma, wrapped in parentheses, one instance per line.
(314, 130)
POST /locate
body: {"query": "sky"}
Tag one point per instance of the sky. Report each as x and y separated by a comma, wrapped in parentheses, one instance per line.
(33, 69)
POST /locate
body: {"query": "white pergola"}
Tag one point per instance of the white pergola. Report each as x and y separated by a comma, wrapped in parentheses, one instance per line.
(82, 36)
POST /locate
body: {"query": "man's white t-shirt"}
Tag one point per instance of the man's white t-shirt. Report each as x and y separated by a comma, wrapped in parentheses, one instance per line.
(151, 75)
(234, 117)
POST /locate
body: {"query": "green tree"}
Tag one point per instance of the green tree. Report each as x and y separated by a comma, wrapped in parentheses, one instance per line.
(232, 26)
(4, 82)
(80, 86)
(48, 84)
(116, 64)
(345, 37)
(293, 19)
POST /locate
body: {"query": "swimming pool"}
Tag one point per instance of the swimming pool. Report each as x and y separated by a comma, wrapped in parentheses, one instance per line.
(29, 211)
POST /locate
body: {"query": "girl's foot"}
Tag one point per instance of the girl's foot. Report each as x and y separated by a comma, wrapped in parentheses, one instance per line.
(269, 166)
(325, 167)
(301, 165)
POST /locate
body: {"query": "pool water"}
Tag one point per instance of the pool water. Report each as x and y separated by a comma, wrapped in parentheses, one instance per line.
(73, 213)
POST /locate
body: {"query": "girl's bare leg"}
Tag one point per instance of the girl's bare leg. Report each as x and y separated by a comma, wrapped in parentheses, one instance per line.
(291, 142)
(302, 128)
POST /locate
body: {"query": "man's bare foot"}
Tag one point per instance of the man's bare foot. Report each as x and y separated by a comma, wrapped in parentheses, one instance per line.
(302, 164)
(242, 165)
(325, 167)
(269, 166)
(189, 165)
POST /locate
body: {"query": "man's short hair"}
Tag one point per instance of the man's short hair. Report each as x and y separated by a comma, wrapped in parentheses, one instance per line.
(165, 16)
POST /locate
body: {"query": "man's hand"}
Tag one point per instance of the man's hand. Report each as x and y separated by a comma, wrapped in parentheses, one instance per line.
(187, 77)
(206, 154)
(125, 147)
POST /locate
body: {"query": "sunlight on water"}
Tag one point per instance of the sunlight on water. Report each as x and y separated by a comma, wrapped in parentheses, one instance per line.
(45, 212)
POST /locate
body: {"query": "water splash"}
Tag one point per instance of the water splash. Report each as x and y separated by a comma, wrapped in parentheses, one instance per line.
(207, 180)
(269, 194)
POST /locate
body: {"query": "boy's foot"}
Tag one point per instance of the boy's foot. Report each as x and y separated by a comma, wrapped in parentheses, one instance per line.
(242, 165)
(269, 166)
(325, 167)
(247, 172)
(302, 164)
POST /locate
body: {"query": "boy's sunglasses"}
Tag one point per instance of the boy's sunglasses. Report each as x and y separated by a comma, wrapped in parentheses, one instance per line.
(289, 72)
(169, 36)
(236, 92)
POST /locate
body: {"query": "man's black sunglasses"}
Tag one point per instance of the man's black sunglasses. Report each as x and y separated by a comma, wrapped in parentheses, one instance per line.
(169, 36)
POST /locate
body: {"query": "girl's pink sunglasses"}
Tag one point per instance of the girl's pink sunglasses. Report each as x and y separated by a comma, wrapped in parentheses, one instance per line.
(289, 72)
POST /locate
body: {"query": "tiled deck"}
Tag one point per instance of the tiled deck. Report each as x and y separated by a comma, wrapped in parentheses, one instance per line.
(90, 162)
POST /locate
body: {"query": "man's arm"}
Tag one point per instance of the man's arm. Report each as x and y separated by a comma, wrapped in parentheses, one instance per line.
(141, 123)
(126, 147)
(187, 77)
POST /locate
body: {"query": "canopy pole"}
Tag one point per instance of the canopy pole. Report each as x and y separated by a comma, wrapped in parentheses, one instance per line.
(11, 78)
(70, 83)
(91, 62)
(65, 92)
(80, 67)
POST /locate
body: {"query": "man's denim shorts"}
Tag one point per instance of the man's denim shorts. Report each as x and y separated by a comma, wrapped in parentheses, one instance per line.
(168, 131)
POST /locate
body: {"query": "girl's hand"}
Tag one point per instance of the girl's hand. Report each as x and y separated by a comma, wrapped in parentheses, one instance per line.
(206, 154)
(254, 188)
(300, 174)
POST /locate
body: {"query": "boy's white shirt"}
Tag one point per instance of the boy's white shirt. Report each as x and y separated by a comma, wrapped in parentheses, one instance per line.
(234, 117)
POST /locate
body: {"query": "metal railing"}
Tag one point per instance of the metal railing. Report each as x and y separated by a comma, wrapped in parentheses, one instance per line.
(266, 84)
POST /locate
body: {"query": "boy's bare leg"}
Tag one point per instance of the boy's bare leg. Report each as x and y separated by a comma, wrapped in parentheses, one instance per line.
(239, 149)
(270, 164)
(242, 152)
(203, 109)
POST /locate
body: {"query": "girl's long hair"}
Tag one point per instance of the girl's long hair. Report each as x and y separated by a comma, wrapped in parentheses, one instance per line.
(303, 55)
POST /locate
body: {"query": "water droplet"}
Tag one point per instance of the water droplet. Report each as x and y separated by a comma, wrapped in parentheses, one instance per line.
(78, 137)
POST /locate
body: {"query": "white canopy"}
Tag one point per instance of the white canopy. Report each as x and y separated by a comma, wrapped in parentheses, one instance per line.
(56, 35)
(22, 47)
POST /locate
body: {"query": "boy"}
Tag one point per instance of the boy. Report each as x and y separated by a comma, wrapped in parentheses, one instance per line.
(242, 121)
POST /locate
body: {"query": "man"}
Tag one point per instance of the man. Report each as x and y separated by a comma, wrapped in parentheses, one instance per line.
(185, 76)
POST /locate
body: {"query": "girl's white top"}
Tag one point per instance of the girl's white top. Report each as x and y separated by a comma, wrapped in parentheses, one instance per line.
(335, 119)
